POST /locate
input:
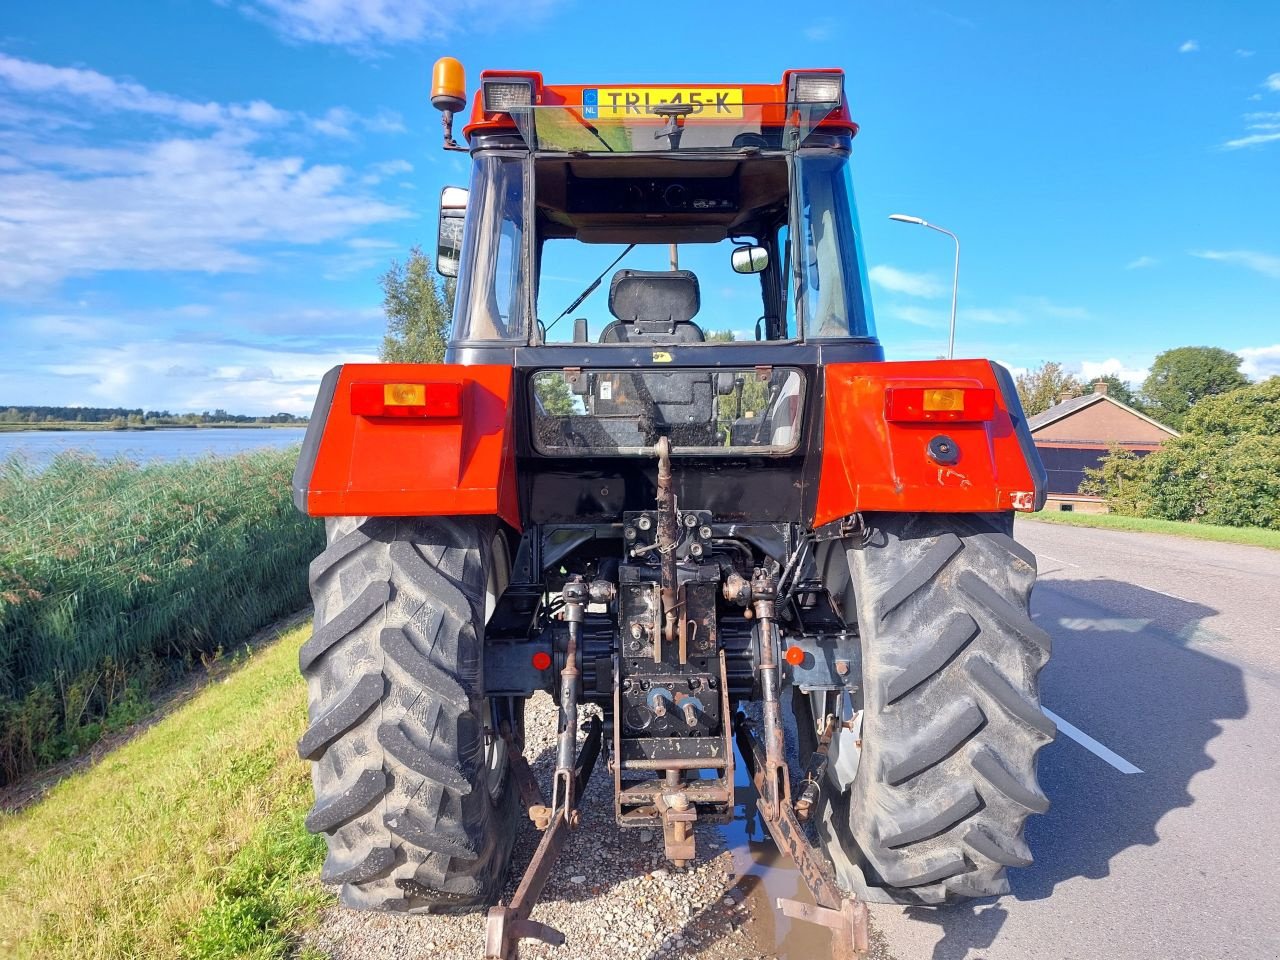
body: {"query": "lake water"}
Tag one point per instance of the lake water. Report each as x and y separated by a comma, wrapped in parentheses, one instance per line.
(145, 446)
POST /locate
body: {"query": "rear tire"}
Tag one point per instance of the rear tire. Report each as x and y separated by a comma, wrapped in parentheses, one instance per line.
(413, 798)
(932, 808)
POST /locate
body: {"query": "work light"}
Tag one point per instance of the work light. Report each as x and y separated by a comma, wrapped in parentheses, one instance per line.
(505, 94)
(817, 87)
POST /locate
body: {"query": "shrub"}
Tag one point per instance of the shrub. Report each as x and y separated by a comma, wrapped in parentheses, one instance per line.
(1225, 469)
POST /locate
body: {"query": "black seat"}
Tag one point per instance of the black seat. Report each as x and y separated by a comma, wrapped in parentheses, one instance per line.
(653, 306)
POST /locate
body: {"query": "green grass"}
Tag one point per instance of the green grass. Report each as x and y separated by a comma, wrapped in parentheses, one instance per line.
(1252, 536)
(114, 576)
(187, 842)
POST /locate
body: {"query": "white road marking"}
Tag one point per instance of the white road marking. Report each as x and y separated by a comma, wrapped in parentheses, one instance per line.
(1090, 744)
(1067, 563)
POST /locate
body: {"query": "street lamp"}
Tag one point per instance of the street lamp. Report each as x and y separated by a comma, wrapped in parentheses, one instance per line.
(955, 280)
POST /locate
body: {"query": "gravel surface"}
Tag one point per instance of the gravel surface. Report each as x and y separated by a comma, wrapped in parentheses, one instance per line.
(612, 894)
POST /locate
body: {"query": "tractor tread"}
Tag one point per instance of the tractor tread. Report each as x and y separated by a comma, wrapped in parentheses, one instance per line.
(372, 600)
(985, 674)
(342, 713)
(934, 743)
(347, 803)
(925, 570)
(995, 773)
(934, 809)
(932, 825)
(953, 638)
(397, 719)
(1011, 852)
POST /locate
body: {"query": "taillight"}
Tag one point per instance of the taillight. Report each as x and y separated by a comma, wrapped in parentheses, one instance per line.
(939, 404)
(406, 399)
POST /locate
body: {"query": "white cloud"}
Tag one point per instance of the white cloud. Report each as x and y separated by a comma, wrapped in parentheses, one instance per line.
(365, 23)
(1141, 263)
(1263, 263)
(1091, 370)
(1252, 140)
(1191, 46)
(377, 172)
(183, 377)
(1272, 83)
(108, 93)
(1264, 127)
(1260, 362)
(932, 319)
(79, 86)
(343, 122)
(820, 31)
(912, 284)
(183, 204)
(211, 201)
(257, 358)
(1243, 54)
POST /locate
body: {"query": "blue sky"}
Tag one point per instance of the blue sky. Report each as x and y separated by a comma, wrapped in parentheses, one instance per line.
(197, 196)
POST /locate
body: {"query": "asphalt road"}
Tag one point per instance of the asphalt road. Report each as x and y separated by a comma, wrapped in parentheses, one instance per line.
(1167, 653)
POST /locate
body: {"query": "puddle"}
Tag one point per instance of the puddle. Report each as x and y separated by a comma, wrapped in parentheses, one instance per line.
(762, 874)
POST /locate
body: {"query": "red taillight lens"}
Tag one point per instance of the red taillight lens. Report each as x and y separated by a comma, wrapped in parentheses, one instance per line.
(406, 399)
(939, 404)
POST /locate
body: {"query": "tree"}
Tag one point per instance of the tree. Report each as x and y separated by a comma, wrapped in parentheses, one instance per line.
(1254, 410)
(1119, 479)
(1117, 389)
(556, 396)
(1182, 377)
(1225, 468)
(418, 310)
(1041, 388)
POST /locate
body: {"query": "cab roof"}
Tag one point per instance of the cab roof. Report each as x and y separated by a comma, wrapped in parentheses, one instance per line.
(772, 103)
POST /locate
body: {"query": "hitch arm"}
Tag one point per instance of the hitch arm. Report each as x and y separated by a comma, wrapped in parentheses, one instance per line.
(507, 925)
(845, 916)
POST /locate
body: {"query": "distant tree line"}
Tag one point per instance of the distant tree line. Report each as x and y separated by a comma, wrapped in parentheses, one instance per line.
(124, 416)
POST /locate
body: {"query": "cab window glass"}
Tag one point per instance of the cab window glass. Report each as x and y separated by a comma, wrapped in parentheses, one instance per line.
(488, 304)
(834, 295)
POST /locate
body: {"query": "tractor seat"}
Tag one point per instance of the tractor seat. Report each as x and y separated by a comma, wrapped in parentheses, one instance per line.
(653, 306)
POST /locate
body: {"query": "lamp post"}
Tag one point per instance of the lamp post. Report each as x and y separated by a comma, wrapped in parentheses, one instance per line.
(955, 279)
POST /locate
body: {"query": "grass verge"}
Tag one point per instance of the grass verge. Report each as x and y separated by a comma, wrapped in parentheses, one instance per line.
(1250, 536)
(187, 842)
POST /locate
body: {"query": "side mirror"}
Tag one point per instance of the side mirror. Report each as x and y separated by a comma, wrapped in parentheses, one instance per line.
(752, 259)
(453, 210)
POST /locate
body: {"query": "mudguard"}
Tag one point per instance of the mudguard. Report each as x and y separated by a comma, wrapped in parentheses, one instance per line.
(461, 462)
(870, 463)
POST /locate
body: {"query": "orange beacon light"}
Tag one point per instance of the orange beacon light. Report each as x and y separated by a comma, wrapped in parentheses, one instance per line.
(448, 94)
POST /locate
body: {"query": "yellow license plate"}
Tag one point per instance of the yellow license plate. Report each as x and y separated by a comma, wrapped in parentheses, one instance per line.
(620, 103)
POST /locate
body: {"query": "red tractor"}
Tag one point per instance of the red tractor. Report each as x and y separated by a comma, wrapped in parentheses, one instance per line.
(702, 501)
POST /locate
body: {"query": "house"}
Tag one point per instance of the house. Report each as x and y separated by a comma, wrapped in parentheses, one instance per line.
(1079, 432)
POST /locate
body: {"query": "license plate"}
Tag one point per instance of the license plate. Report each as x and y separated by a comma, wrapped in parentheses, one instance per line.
(619, 103)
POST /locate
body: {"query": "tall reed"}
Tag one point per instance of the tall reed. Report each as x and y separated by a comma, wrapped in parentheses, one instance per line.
(113, 574)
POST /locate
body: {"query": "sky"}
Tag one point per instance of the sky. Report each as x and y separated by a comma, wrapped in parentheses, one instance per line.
(197, 197)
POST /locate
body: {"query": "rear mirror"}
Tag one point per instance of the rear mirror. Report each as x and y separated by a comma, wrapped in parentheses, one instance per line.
(453, 210)
(749, 259)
